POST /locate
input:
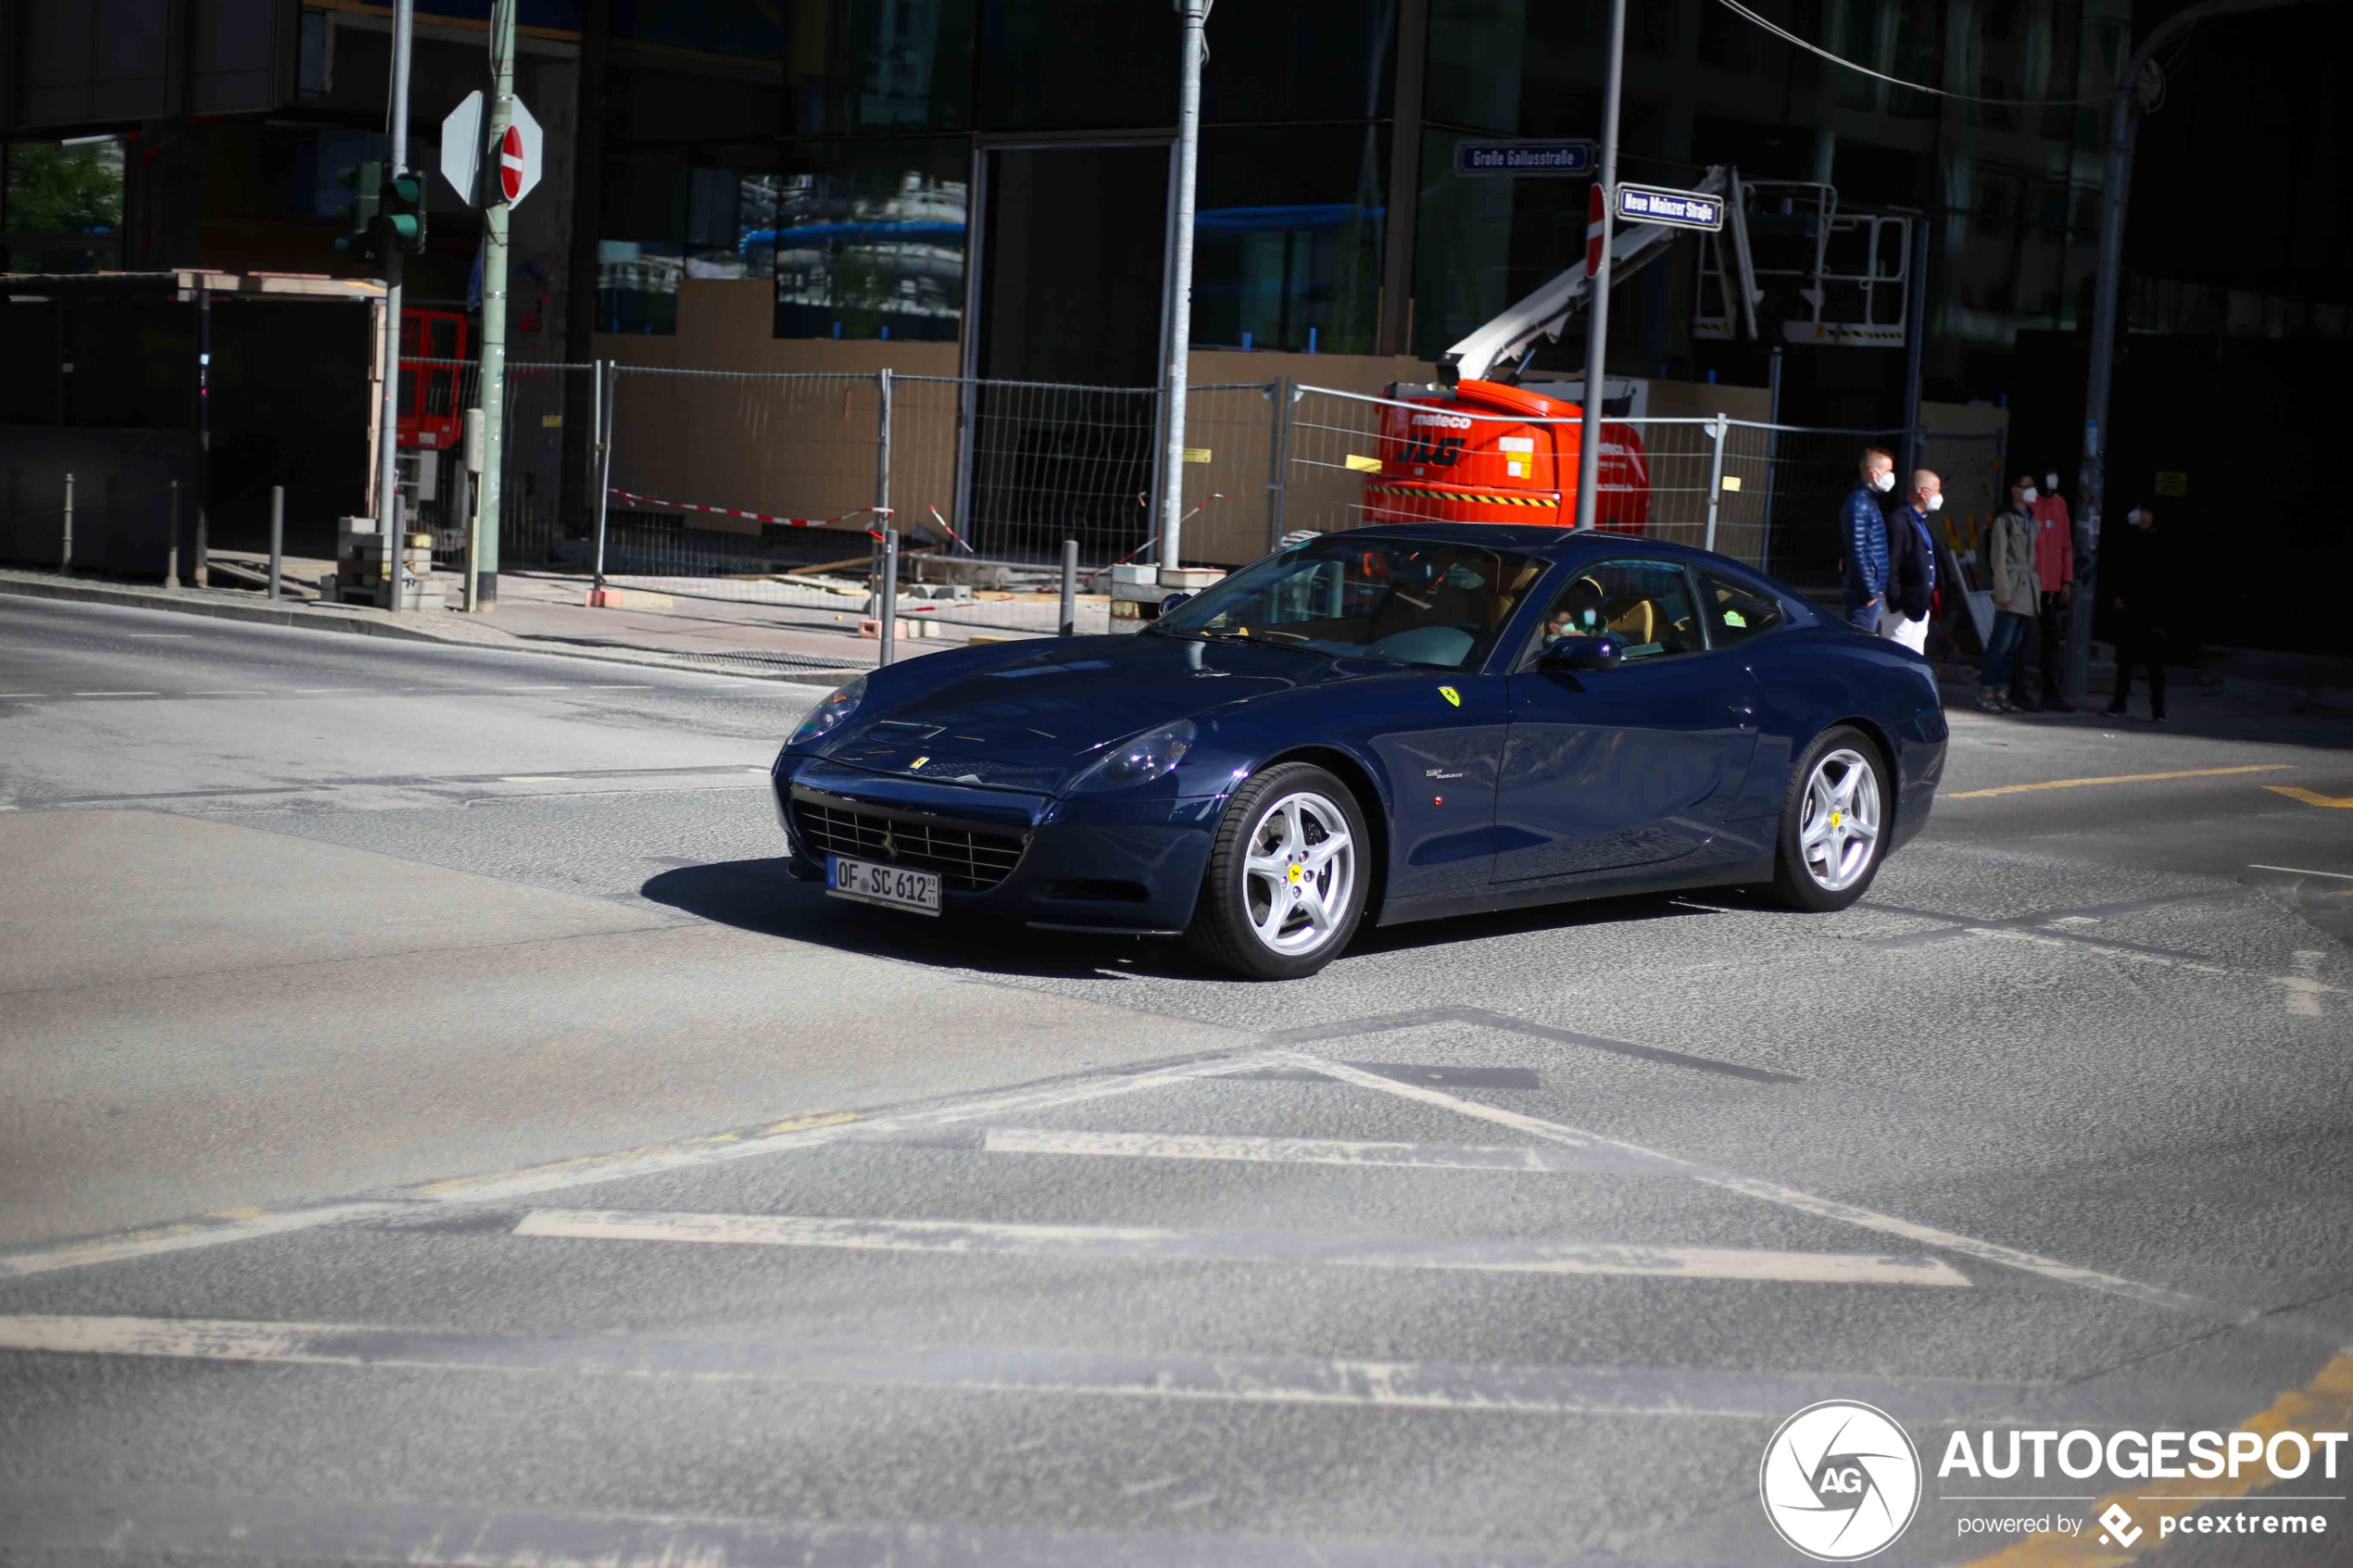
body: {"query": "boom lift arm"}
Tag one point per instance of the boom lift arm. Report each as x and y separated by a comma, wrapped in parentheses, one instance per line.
(1498, 349)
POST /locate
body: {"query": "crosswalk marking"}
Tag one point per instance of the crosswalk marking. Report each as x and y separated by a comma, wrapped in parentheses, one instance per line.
(1154, 1244)
(1305, 1152)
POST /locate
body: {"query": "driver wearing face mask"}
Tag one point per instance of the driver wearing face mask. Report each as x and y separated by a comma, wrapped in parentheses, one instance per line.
(1911, 552)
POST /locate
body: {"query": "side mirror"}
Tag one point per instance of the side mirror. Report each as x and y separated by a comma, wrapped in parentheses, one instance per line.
(1172, 601)
(1583, 653)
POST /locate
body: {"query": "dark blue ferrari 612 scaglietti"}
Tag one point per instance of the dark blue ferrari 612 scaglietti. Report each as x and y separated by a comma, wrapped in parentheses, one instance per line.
(1395, 724)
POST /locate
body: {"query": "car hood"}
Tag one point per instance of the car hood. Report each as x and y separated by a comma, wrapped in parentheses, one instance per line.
(1028, 723)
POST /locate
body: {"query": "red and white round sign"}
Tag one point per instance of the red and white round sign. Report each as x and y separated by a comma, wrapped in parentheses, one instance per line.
(510, 163)
(1593, 231)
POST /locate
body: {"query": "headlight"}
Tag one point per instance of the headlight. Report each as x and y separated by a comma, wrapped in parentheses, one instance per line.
(1140, 761)
(826, 717)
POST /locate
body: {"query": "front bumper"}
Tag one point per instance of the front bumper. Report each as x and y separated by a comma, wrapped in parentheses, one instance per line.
(1128, 863)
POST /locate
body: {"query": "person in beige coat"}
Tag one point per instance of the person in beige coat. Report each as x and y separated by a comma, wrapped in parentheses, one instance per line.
(2011, 558)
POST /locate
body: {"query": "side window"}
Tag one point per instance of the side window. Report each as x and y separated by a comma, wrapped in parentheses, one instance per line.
(1736, 612)
(1646, 604)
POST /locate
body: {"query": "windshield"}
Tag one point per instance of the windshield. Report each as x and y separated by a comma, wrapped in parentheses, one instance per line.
(1403, 600)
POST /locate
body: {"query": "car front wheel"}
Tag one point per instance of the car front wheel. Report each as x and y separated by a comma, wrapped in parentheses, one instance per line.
(1833, 824)
(1285, 885)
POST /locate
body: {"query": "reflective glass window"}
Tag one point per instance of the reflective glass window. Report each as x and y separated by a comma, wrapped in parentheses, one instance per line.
(1735, 611)
(1475, 49)
(879, 65)
(869, 238)
(1072, 64)
(1299, 59)
(1287, 238)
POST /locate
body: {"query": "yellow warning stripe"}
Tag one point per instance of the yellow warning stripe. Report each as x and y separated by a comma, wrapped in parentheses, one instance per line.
(2323, 1404)
(1435, 494)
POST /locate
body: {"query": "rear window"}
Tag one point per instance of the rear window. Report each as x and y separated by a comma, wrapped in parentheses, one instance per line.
(1735, 611)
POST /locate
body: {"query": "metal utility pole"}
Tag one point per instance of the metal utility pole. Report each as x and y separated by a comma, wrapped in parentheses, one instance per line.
(2091, 482)
(1180, 285)
(1589, 450)
(496, 211)
(202, 558)
(388, 519)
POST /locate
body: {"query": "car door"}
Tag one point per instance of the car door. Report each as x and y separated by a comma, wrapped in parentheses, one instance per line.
(1441, 739)
(1607, 770)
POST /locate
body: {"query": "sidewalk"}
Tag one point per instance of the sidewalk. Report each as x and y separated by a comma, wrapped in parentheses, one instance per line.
(540, 612)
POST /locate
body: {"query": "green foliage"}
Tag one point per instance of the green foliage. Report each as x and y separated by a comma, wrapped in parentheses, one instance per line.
(59, 190)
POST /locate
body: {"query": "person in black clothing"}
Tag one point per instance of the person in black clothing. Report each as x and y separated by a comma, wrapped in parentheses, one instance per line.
(2130, 582)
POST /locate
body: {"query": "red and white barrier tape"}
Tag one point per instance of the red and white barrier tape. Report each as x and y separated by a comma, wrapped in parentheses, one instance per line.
(753, 516)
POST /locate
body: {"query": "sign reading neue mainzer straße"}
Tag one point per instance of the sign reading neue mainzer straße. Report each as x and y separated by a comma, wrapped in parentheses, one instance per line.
(1682, 209)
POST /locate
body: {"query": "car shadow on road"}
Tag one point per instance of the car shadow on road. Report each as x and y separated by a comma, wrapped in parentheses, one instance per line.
(761, 895)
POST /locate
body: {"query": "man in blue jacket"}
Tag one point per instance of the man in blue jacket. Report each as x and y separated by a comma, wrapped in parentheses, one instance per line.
(1865, 527)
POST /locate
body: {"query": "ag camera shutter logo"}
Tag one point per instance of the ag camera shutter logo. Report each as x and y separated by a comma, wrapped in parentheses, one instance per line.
(1839, 1481)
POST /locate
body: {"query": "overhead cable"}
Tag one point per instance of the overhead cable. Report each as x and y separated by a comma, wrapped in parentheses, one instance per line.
(1786, 36)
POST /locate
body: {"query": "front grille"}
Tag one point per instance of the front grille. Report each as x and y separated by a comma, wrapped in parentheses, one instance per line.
(972, 862)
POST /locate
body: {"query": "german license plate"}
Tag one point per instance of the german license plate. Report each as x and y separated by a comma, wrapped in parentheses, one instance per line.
(894, 886)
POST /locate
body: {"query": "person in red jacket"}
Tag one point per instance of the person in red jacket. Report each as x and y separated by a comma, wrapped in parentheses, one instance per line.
(2055, 568)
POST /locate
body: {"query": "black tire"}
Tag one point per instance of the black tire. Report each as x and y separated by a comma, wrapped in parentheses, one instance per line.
(1239, 904)
(1815, 867)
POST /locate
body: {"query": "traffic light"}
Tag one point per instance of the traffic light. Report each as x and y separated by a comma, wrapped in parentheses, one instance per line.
(365, 182)
(403, 218)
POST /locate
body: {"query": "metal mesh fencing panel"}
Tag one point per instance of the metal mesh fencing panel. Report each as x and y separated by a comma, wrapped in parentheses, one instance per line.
(1045, 461)
(546, 493)
(718, 473)
(1230, 472)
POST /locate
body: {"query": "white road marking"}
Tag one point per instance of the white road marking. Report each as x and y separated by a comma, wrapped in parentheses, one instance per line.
(118, 694)
(2309, 989)
(1279, 1152)
(158, 636)
(1152, 1243)
(1238, 1377)
(184, 1237)
(1774, 1192)
(531, 688)
(715, 1148)
(2300, 991)
(328, 690)
(620, 688)
(534, 778)
(2299, 871)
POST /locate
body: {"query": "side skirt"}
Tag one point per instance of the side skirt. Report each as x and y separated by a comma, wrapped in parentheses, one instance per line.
(1674, 876)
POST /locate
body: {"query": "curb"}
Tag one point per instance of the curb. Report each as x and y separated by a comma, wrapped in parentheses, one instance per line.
(181, 603)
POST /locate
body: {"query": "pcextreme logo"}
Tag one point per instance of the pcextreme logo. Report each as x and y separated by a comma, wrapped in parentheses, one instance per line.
(1839, 1481)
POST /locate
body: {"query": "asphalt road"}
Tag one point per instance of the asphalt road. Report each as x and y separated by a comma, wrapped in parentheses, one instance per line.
(433, 1129)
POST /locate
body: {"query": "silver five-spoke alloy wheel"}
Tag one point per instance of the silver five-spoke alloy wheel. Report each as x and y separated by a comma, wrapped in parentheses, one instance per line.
(1839, 824)
(1298, 873)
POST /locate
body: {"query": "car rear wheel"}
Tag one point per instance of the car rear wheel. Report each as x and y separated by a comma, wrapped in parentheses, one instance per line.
(1834, 823)
(1285, 885)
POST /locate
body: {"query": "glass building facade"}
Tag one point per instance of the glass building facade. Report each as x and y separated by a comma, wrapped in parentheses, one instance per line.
(860, 154)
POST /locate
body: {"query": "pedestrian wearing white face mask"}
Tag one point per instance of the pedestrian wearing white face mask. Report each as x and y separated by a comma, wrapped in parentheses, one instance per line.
(2055, 568)
(1864, 522)
(1912, 564)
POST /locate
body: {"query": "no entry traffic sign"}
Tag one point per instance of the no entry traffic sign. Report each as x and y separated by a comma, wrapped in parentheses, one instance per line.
(516, 159)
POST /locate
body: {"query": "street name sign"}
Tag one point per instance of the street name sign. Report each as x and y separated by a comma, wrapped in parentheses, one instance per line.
(1679, 210)
(1557, 160)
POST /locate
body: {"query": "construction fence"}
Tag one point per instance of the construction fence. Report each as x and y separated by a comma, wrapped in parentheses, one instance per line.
(774, 488)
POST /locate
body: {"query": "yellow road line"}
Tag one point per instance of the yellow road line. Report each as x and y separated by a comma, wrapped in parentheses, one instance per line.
(2123, 778)
(2323, 1404)
(2311, 797)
